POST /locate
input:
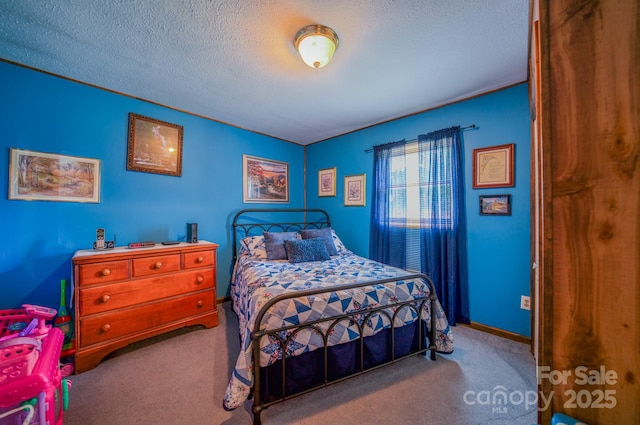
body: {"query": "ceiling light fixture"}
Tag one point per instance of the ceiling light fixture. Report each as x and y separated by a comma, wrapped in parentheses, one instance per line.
(316, 44)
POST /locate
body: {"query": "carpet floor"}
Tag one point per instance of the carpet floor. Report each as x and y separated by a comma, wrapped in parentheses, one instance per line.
(181, 377)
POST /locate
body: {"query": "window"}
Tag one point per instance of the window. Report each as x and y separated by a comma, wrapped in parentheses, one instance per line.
(420, 197)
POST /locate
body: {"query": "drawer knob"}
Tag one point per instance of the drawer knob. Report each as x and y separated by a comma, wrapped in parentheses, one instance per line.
(200, 303)
(157, 265)
(106, 327)
(199, 279)
(199, 259)
(105, 298)
(105, 272)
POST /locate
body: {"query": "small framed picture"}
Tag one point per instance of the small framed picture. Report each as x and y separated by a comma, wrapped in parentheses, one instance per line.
(493, 167)
(355, 190)
(327, 182)
(495, 205)
(264, 180)
(52, 177)
(154, 146)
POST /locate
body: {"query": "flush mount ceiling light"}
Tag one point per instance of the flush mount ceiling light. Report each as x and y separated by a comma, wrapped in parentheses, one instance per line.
(316, 44)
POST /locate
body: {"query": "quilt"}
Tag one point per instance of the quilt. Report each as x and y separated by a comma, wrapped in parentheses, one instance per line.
(256, 280)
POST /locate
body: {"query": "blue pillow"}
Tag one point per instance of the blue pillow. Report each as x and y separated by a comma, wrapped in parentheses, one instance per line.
(324, 233)
(274, 244)
(299, 251)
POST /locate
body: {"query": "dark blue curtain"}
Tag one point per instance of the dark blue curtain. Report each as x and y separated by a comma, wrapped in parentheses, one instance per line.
(438, 236)
(443, 227)
(388, 235)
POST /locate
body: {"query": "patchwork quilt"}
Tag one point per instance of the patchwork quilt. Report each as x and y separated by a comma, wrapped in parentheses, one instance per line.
(256, 280)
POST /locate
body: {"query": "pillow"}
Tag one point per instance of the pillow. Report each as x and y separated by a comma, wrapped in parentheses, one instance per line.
(254, 246)
(299, 251)
(338, 243)
(325, 234)
(274, 243)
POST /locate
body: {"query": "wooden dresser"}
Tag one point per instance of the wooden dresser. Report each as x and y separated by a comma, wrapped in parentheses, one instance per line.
(125, 295)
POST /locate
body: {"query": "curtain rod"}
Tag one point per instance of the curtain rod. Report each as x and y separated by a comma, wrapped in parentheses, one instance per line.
(469, 127)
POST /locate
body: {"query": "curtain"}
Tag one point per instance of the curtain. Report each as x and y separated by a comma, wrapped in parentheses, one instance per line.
(388, 236)
(443, 224)
(431, 230)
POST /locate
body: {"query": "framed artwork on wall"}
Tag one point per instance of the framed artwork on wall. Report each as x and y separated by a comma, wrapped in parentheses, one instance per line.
(327, 182)
(355, 190)
(495, 205)
(264, 180)
(493, 166)
(154, 146)
(52, 177)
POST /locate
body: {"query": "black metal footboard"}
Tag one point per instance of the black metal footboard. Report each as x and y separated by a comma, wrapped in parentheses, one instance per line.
(390, 311)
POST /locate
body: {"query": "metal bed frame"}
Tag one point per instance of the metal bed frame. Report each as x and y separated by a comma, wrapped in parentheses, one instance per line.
(417, 304)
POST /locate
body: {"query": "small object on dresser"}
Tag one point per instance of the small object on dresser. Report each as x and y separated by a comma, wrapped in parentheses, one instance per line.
(141, 244)
(100, 243)
(170, 242)
(192, 232)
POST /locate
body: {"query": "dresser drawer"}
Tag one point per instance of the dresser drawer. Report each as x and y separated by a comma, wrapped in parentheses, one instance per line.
(110, 271)
(199, 259)
(121, 323)
(97, 299)
(155, 265)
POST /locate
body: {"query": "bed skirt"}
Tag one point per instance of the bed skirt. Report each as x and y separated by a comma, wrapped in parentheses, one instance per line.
(307, 371)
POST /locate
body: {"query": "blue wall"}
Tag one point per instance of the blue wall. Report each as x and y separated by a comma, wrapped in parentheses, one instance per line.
(48, 114)
(498, 247)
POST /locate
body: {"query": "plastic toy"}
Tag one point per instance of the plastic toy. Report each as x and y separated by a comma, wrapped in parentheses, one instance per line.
(32, 390)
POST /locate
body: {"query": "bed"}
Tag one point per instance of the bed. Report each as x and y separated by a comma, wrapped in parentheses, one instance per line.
(297, 290)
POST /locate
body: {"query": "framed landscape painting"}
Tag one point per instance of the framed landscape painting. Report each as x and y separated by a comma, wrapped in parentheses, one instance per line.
(52, 177)
(495, 205)
(264, 180)
(154, 146)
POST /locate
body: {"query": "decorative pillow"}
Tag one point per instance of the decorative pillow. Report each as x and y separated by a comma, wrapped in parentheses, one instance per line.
(324, 234)
(274, 243)
(299, 251)
(340, 247)
(254, 246)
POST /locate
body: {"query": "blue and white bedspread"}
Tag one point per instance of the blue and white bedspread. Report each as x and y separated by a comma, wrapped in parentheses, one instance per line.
(255, 281)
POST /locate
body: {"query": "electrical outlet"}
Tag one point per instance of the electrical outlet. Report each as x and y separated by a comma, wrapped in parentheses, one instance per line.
(525, 302)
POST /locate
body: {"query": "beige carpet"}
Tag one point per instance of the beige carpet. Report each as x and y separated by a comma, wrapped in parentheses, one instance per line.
(181, 379)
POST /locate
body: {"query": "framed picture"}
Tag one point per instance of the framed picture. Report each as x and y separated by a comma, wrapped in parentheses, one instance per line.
(495, 205)
(264, 180)
(327, 182)
(52, 177)
(355, 190)
(493, 167)
(154, 146)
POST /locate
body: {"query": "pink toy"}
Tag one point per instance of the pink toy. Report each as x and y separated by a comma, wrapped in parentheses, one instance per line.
(30, 377)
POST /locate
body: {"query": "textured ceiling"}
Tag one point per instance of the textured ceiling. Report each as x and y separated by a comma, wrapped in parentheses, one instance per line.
(234, 61)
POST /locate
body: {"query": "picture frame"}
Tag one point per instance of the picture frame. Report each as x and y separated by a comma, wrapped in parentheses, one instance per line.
(264, 180)
(40, 176)
(154, 146)
(493, 166)
(495, 205)
(327, 182)
(355, 190)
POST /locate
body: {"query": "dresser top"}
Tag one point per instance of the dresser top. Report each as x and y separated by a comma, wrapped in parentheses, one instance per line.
(156, 247)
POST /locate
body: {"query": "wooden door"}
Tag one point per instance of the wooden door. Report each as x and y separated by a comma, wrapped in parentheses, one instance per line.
(590, 279)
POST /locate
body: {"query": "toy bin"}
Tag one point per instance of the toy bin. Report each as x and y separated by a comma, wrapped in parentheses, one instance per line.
(32, 390)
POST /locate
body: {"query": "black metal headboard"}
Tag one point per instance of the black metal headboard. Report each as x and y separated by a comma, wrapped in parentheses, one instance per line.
(254, 221)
